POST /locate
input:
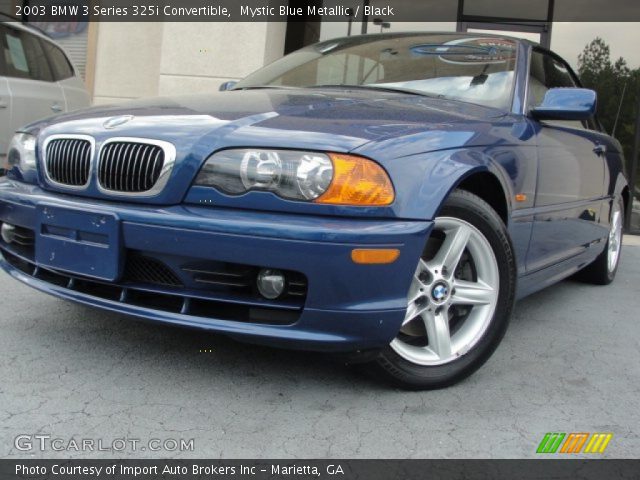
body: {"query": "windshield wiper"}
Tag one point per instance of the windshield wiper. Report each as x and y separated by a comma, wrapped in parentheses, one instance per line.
(260, 87)
(379, 87)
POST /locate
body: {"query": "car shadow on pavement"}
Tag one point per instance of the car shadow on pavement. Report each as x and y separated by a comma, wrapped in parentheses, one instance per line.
(215, 357)
(94, 340)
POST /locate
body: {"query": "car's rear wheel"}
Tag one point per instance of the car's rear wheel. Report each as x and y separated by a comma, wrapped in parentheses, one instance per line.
(603, 269)
(459, 301)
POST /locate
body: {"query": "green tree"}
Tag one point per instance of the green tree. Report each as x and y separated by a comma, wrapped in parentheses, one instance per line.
(595, 58)
(612, 80)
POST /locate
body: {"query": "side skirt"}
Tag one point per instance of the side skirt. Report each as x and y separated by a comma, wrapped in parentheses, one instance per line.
(546, 277)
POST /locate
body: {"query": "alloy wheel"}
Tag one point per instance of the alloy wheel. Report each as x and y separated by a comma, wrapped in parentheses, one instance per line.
(452, 297)
(615, 237)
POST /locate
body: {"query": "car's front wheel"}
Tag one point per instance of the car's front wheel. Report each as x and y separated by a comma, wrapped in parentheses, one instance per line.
(460, 299)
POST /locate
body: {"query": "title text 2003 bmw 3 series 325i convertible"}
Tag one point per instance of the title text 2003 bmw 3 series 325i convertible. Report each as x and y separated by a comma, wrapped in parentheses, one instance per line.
(386, 195)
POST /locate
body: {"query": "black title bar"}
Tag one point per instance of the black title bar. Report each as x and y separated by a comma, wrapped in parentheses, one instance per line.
(542, 469)
(518, 12)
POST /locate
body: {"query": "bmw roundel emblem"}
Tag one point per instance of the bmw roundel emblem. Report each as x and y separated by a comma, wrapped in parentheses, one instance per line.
(439, 292)
(114, 122)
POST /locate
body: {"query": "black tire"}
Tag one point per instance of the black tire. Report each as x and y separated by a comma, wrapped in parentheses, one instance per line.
(598, 272)
(392, 367)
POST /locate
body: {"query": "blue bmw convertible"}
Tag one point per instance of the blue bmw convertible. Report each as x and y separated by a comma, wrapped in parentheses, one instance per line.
(388, 197)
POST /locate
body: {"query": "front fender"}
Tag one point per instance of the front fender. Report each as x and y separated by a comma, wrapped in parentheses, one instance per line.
(424, 181)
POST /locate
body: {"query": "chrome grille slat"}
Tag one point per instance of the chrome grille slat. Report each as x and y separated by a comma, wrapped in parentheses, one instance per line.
(75, 161)
(132, 166)
(53, 160)
(118, 162)
(121, 161)
(58, 158)
(125, 168)
(68, 155)
(112, 166)
(79, 160)
(136, 152)
(136, 167)
(157, 167)
(52, 157)
(126, 176)
(67, 160)
(149, 170)
(60, 163)
(137, 176)
(86, 155)
(144, 157)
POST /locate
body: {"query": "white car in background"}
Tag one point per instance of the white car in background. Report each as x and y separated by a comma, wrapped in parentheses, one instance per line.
(37, 80)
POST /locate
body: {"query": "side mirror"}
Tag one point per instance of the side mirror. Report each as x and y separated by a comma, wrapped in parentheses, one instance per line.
(566, 104)
(227, 85)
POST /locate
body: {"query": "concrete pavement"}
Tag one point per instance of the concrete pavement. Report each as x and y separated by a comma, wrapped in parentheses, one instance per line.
(570, 362)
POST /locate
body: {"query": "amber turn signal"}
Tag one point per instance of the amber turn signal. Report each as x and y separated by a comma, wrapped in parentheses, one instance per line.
(357, 181)
(374, 255)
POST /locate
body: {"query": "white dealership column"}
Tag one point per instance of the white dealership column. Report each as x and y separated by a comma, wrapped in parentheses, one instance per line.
(145, 59)
(198, 57)
(127, 62)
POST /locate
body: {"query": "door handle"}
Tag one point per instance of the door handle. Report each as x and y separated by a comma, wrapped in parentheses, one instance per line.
(3, 104)
(56, 108)
(600, 150)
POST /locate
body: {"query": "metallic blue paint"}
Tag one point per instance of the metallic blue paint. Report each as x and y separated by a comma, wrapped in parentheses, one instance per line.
(566, 104)
(428, 146)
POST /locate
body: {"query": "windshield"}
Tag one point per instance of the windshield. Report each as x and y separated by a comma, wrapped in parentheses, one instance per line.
(473, 69)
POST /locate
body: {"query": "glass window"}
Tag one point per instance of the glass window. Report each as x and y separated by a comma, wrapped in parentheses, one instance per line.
(24, 56)
(3, 66)
(347, 69)
(537, 79)
(529, 10)
(547, 72)
(558, 74)
(59, 62)
(477, 69)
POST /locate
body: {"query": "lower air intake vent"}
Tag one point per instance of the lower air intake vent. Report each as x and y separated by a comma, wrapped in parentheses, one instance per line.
(240, 278)
(141, 269)
(23, 236)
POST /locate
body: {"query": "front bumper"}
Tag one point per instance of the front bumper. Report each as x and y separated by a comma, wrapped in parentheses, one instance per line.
(347, 306)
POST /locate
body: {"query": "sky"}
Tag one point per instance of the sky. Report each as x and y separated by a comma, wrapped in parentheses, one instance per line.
(568, 39)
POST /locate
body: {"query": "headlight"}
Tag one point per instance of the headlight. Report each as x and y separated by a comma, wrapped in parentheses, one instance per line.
(295, 175)
(22, 152)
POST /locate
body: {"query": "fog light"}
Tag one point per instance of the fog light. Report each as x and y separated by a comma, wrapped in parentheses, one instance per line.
(8, 232)
(270, 283)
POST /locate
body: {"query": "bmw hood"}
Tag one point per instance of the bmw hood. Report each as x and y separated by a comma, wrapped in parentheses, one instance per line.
(324, 119)
(308, 119)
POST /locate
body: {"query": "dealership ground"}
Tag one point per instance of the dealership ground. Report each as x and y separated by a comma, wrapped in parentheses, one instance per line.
(569, 363)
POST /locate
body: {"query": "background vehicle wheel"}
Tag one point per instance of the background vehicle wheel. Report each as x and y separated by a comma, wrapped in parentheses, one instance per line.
(459, 302)
(603, 269)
